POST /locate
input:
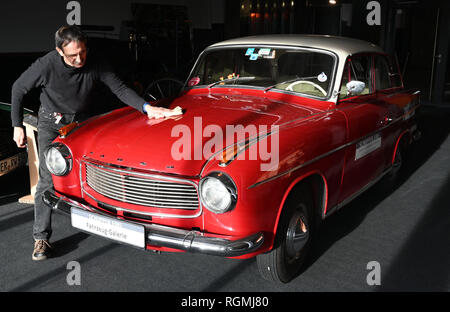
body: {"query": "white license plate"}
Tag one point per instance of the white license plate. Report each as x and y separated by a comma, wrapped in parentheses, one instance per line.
(11, 163)
(121, 231)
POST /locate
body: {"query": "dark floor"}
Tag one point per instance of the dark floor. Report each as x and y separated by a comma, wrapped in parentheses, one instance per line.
(406, 230)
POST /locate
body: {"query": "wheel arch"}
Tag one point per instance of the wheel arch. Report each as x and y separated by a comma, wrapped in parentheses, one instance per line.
(318, 187)
(405, 135)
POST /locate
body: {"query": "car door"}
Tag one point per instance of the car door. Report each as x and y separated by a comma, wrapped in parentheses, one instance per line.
(389, 92)
(367, 119)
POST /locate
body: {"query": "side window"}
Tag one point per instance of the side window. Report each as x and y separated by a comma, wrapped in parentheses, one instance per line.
(386, 75)
(394, 74)
(357, 68)
(382, 80)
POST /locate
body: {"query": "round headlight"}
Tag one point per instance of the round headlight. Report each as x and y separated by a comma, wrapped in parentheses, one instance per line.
(218, 193)
(58, 159)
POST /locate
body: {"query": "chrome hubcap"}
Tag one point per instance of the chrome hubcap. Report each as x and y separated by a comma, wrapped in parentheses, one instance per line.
(297, 235)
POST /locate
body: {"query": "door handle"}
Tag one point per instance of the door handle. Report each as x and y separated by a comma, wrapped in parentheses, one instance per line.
(386, 121)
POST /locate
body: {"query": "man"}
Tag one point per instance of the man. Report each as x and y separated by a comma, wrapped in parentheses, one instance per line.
(67, 79)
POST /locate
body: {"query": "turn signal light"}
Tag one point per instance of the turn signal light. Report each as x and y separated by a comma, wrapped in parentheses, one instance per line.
(229, 154)
(64, 131)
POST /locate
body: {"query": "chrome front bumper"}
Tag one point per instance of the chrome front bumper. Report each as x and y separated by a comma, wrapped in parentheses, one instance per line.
(164, 236)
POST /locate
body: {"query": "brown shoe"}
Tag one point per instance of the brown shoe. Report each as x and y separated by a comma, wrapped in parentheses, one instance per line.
(41, 250)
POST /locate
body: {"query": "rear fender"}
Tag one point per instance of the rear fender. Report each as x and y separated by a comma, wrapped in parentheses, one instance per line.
(405, 135)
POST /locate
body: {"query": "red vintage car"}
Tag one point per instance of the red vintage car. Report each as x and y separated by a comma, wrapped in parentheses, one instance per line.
(277, 133)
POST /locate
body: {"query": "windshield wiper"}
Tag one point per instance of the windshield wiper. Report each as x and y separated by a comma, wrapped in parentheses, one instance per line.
(230, 79)
(287, 81)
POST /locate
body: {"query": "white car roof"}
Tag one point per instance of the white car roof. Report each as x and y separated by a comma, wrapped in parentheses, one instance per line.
(340, 45)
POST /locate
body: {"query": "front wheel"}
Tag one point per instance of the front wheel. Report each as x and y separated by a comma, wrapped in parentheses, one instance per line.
(292, 241)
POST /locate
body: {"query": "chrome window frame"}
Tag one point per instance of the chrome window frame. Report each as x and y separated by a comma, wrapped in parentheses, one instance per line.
(310, 49)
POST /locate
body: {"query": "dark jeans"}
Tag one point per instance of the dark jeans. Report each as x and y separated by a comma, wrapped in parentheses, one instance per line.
(47, 132)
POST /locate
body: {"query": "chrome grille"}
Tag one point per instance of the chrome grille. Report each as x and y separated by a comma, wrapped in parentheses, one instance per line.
(146, 190)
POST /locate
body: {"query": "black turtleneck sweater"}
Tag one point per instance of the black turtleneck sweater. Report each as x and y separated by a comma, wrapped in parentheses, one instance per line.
(66, 89)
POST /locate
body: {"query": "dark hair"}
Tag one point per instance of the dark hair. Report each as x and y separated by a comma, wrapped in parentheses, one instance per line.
(66, 34)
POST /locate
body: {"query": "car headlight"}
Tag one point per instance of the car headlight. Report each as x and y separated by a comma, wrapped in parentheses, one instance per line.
(58, 159)
(218, 192)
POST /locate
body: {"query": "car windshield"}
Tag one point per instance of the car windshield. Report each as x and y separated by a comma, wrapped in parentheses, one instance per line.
(304, 71)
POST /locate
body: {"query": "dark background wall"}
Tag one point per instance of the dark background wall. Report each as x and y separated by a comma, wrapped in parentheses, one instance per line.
(148, 39)
(416, 31)
(143, 39)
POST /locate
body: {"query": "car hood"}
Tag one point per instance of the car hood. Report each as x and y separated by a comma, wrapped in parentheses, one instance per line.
(181, 145)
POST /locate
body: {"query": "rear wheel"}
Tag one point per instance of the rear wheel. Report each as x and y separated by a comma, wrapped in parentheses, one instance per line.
(292, 241)
(398, 166)
(398, 161)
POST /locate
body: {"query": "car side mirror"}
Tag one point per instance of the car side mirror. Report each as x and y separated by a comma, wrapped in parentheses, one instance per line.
(355, 87)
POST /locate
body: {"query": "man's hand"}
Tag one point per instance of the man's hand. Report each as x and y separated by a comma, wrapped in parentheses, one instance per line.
(19, 137)
(156, 112)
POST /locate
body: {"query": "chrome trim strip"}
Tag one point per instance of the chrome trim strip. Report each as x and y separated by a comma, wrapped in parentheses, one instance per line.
(114, 187)
(195, 241)
(165, 236)
(151, 214)
(80, 166)
(356, 194)
(138, 197)
(258, 138)
(213, 156)
(299, 166)
(139, 200)
(134, 179)
(325, 154)
(145, 188)
(245, 147)
(147, 175)
(401, 91)
(331, 53)
(199, 207)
